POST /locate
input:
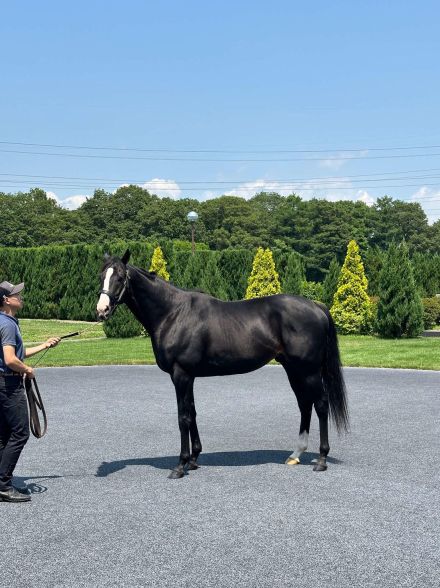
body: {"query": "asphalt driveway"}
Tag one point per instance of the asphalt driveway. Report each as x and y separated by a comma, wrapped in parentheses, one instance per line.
(103, 512)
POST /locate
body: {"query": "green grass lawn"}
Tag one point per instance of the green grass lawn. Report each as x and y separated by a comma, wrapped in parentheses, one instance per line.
(93, 348)
(38, 330)
(422, 353)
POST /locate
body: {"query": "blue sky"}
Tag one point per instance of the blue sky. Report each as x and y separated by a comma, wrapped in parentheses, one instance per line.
(338, 100)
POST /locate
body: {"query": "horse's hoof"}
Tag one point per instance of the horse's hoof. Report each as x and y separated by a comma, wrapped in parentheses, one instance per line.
(320, 467)
(292, 461)
(176, 474)
(193, 465)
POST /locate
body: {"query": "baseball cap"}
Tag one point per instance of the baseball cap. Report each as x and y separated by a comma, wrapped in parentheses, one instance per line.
(8, 289)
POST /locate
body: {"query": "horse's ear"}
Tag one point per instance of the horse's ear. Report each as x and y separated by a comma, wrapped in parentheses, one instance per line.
(126, 257)
(106, 256)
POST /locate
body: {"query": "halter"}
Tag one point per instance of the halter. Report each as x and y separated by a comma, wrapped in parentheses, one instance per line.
(113, 299)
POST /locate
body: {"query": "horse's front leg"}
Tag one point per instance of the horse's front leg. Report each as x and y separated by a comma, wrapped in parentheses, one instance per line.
(194, 433)
(183, 384)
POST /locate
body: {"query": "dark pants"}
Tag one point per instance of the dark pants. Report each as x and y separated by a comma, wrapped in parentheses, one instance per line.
(14, 426)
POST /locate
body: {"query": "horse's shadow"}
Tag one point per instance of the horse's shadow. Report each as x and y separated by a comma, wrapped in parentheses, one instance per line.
(219, 459)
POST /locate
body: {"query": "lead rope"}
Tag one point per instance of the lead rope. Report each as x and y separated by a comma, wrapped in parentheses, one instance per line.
(36, 405)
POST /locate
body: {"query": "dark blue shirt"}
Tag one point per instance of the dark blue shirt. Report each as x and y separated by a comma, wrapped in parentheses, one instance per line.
(10, 335)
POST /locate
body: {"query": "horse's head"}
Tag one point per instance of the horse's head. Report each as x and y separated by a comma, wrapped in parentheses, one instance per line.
(114, 279)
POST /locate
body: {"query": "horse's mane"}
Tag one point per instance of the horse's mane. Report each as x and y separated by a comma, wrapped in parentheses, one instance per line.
(156, 277)
(144, 272)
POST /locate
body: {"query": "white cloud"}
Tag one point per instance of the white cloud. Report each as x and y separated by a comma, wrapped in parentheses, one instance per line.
(424, 192)
(163, 188)
(249, 189)
(157, 186)
(53, 196)
(160, 187)
(70, 202)
(336, 189)
(363, 196)
(429, 200)
(73, 202)
(207, 195)
(337, 161)
(333, 163)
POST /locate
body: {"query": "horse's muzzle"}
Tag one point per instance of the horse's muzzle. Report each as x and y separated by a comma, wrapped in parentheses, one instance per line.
(103, 315)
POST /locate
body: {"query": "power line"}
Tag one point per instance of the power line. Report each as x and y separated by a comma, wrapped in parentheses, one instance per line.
(274, 181)
(168, 150)
(187, 159)
(238, 189)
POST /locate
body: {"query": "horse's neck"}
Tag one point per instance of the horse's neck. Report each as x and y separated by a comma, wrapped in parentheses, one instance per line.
(149, 299)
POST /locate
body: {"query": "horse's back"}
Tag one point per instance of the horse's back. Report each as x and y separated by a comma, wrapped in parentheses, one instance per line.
(237, 337)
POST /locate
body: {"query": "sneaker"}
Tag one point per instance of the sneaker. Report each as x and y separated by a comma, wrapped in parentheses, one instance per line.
(13, 495)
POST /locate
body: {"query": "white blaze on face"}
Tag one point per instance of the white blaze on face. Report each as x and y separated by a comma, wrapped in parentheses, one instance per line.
(104, 300)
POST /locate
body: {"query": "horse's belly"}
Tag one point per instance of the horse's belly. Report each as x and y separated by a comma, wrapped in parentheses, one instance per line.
(228, 361)
(229, 368)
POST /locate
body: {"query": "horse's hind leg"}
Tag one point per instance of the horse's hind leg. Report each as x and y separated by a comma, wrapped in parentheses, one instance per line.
(194, 433)
(305, 404)
(321, 408)
(309, 391)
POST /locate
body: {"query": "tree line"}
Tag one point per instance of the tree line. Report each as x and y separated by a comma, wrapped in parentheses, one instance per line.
(398, 311)
(316, 229)
(63, 281)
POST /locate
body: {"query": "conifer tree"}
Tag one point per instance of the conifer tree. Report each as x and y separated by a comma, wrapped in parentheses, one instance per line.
(212, 281)
(400, 310)
(295, 274)
(195, 268)
(178, 265)
(330, 284)
(312, 290)
(373, 259)
(159, 265)
(263, 280)
(351, 308)
(235, 266)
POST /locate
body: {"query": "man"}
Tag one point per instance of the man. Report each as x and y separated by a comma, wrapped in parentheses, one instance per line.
(14, 417)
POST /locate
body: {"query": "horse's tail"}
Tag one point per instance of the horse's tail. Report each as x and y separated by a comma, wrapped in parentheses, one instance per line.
(333, 378)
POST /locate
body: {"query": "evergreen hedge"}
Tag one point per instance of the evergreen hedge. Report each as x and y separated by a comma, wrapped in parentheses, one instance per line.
(62, 282)
(294, 275)
(330, 284)
(122, 324)
(399, 310)
(431, 312)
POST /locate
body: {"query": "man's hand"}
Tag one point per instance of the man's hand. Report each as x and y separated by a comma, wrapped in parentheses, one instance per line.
(52, 342)
(29, 373)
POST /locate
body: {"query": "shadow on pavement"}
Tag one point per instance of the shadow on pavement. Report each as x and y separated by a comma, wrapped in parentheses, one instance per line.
(222, 458)
(33, 487)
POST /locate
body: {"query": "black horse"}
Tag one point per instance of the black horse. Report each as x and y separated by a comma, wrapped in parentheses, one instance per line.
(194, 334)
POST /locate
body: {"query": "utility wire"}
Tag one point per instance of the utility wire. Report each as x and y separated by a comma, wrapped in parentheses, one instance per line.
(268, 184)
(168, 150)
(206, 182)
(244, 188)
(77, 155)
